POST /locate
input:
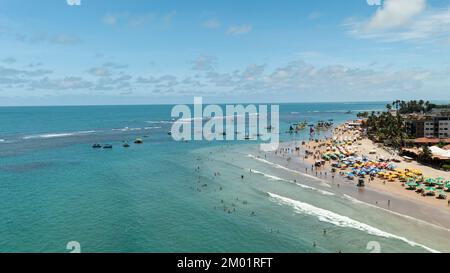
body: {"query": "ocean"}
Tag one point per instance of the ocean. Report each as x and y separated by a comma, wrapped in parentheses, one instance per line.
(170, 196)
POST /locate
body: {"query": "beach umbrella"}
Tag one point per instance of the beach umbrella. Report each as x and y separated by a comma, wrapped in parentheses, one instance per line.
(430, 189)
(412, 185)
(440, 178)
(440, 183)
(442, 194)
(430, 181)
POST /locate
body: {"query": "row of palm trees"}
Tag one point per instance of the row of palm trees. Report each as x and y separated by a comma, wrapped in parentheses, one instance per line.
(385, 127)
(389, 128)
(413, 106)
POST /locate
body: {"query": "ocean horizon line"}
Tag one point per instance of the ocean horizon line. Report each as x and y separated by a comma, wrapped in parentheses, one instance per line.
(206, 103)
(216, 102)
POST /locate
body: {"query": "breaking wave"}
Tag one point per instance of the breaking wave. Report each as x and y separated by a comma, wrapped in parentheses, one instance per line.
(340, 220)
(287, 169)
(276, 178)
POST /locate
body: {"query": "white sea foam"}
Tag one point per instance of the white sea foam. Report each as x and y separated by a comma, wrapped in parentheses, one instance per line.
(353, 200)
(159, 122)
(343, 111)
(126, 129)
(57, 135)
(276, 178)
(356, 201)
(289, 170)
(340, 220)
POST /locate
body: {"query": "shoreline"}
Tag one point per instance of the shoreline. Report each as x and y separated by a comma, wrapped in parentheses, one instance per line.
(389, 196)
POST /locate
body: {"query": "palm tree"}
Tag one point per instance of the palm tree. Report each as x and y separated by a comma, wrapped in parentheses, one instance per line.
(426, 155)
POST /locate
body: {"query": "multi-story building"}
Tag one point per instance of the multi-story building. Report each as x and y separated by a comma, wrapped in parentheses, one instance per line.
(444, 128)
(433, 125)
(429, 128)
(415, 127)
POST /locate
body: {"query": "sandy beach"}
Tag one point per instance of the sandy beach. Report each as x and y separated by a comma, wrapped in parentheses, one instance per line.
(388, 195)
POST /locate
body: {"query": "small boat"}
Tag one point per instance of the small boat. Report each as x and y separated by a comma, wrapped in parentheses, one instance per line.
(107, 146)
(169, 133)
(138, 141)
(291, 130)
(96, 146)
(126, 145)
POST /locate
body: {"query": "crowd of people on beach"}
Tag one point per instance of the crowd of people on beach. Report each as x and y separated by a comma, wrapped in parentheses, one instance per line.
(339, 155)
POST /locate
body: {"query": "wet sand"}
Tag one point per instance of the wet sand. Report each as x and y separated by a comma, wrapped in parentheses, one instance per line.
(390, 196)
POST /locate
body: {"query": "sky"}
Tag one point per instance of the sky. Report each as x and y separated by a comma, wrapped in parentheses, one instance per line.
(76, 52)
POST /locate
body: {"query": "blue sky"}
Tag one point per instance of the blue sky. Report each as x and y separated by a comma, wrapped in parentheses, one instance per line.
(167, 51)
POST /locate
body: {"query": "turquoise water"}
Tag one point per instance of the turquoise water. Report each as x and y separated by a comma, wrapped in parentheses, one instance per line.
(150, 198)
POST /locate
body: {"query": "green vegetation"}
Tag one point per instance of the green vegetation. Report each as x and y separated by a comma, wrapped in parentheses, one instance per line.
(415, 106)
(386, 127)
(426, 155)
(389, 126)
(441, 144)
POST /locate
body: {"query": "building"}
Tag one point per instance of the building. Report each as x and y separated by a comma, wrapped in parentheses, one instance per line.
(429, 128)
(444, 128)
(436, 124)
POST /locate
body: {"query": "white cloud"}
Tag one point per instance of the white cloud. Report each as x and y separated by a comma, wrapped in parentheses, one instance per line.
(138, 19)
(99, 72)
(314, 15)
(9, 60)
(62, 39)
(299, 79)
(212, 23)
(204, 63)
(296, 80)
(115, 65)
(430, 25)
(66, 83)
(167, 18)
(239, 29)
(396, 13)
(110, 19)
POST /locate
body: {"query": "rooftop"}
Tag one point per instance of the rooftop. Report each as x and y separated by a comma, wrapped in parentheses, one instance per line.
(427, 140)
